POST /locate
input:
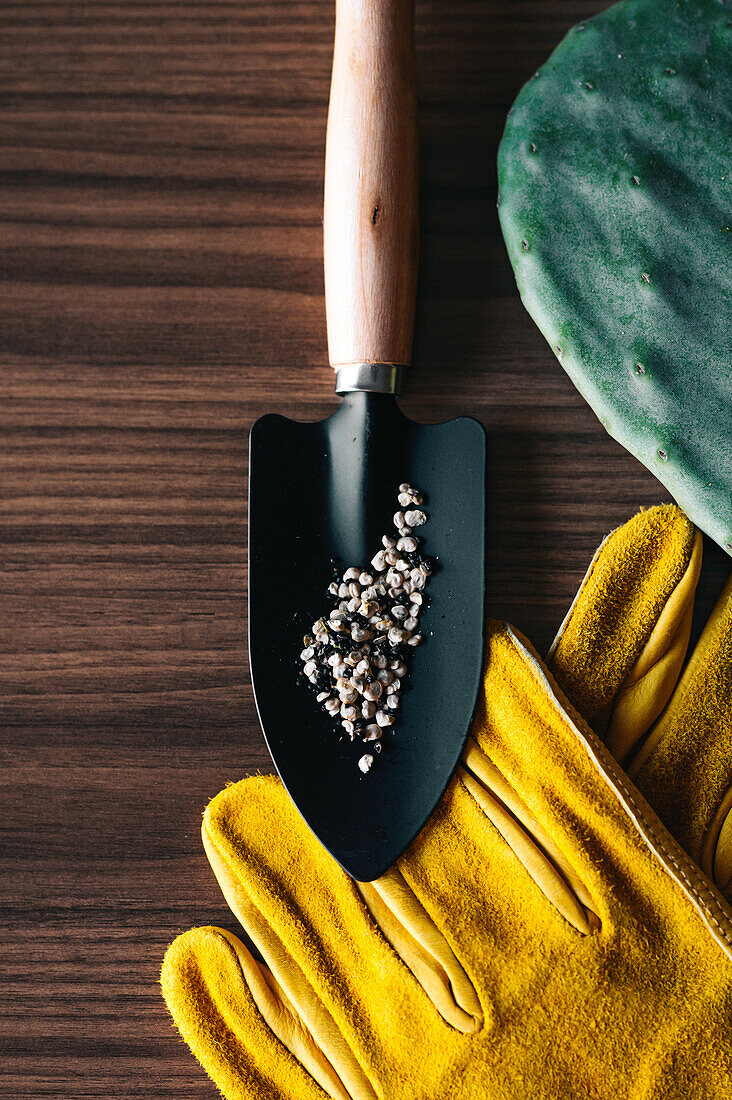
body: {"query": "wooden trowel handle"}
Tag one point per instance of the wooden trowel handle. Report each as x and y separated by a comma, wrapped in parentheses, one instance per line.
(370, 216)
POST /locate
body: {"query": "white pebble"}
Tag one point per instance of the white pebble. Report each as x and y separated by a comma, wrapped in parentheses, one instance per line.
(379, 561)
(399, 611)
(405, 499)
(417, 599)
(384, 676)
(307, 653)
(332, 706)
(394, 687)
(349, 727)
(407, 546)
(388, 542)
(414, 640)
(368, 709)
(399, 519)
(397, 635)
(322, 696)
(365, 762)
(365, 579)
(372, 732)
(398, 668)
(350, 712)
(410, 623)
(415, 518)
(373, 691)
(384, 718)
(363, 666)
(310, 667)
(392, 702)
(351, 574)
(380, 661)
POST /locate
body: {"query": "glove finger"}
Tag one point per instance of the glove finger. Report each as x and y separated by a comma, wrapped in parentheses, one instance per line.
(618, 653)
(323, 939)
(239, 1024)
(685, 764)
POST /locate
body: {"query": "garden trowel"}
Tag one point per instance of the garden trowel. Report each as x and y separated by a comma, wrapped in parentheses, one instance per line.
(323, 494)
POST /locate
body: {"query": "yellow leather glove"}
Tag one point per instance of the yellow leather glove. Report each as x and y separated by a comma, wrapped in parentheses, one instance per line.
(544, 936)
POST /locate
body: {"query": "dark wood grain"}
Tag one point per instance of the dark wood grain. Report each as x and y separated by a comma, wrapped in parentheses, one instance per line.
(160, 255)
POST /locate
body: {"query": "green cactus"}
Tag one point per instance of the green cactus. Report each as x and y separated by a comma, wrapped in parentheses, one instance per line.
(615, 200)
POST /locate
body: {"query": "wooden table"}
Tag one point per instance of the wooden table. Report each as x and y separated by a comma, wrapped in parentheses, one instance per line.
(160, 256)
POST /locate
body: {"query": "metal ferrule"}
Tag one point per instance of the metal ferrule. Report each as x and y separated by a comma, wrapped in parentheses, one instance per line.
(369, 378)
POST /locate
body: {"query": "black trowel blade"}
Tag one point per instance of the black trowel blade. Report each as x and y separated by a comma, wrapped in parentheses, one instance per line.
(326, 492)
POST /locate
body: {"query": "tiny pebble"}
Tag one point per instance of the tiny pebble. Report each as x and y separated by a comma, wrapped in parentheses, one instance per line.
(415, 518)
(307, 653)
(351, 574)
(368, 709)
(379, 561)
(388, 542)
(372, 732)
(373, 691)
(384, 718)
(414, 640)
(392, 702)
(365, 762)
(365, 579)
(407, 546)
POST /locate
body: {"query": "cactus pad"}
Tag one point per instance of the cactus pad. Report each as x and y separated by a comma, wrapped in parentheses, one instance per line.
(615, 184)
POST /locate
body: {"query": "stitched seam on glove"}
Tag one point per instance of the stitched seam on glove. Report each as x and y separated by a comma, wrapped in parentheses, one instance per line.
(420, 945)
(477, 761)
(530, 855)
